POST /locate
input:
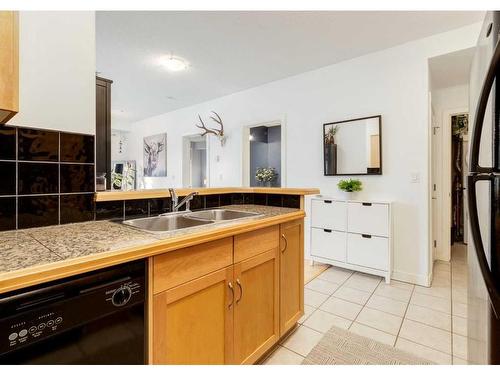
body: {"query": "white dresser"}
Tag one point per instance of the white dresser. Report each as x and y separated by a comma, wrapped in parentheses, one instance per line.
(352, 234)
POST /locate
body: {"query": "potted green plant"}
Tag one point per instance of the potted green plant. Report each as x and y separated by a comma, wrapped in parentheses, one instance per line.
(350, 186)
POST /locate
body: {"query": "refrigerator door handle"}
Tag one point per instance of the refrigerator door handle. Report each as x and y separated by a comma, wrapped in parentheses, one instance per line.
(489, 280)
(480, 112)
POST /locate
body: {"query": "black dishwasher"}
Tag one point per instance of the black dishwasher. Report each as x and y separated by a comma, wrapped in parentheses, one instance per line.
(94, 318)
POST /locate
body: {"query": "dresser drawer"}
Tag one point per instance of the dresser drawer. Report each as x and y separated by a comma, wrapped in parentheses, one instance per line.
(368, 218)
(328, 244)
(368, 251)
(328, 214)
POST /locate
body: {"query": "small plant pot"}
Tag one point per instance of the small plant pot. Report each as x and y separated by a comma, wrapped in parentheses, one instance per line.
(348, 195)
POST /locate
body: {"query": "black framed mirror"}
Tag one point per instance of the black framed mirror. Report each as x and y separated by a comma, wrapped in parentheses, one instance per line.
(353, 147)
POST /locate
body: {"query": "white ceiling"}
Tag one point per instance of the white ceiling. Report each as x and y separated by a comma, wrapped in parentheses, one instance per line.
(233, 51)
(452, 69)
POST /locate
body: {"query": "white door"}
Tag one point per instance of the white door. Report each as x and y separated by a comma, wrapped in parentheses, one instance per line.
(436, 179)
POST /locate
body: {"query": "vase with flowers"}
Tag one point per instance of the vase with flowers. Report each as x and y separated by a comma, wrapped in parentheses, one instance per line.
(266, 176)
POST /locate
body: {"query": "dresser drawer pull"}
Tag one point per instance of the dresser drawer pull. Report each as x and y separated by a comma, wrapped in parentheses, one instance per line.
(366, 204)
(366, 236)
(327, 201)
(327, 230)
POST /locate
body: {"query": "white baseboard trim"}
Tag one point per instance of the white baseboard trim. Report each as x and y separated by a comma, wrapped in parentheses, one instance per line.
(423, 280)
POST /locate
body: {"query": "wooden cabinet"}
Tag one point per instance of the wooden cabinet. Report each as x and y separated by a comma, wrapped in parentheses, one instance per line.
(230, 300)
(103, 128)
(256, 312)
(291, 274)
(193, 323)
(9, 65)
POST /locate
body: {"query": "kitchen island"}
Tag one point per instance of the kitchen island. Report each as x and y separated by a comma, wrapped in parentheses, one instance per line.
(224, 292)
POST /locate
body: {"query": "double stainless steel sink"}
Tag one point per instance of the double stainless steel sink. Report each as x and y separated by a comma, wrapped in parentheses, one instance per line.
(182, 220)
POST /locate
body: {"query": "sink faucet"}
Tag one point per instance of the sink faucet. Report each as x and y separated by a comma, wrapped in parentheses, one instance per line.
(185, 201)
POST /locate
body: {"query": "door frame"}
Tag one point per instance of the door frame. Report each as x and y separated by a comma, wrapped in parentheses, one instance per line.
(245, 170)
(186, 158)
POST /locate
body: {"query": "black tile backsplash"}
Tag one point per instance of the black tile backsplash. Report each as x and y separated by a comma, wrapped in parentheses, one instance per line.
(136, 208)
(8, 213)
(77, 178)
(226, 199)
(43, 175)
(260, 199)
(77, 148)
(212, 201)
(38, 145)
(37, 211)
(109, 210)
(76, 208)
(38, 178)
(275, 200)
(7, 178)
(159, 206)
(152, 207)
(7, 143)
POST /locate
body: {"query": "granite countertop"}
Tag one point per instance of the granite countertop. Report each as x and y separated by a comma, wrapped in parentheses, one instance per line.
(24, 249)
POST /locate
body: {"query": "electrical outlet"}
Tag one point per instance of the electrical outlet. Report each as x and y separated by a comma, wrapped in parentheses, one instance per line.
(415, 177)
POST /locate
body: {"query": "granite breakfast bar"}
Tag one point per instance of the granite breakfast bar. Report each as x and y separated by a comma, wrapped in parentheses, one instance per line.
(260, 253)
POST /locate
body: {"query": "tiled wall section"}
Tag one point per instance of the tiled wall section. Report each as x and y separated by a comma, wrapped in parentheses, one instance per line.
(150, 207)
(46, 177)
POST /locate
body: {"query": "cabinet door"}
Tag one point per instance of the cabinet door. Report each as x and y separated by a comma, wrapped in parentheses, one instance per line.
(9, 65)
(291, 274)
(256, 313)
(193, 323)
(103, 128)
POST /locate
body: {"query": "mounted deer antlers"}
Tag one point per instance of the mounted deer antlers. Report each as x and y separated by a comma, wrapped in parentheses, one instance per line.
(219, 133)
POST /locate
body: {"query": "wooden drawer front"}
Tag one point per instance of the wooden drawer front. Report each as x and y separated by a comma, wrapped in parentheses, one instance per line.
(368, 218)
(180, 266)
(328, 214)
(249, 244)
(328, 244)
(370, 252)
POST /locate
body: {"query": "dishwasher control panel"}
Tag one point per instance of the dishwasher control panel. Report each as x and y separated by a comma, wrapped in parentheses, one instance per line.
(22, 331)
(50, 313)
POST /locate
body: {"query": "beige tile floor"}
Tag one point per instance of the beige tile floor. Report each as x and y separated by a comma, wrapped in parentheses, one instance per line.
(428, 322)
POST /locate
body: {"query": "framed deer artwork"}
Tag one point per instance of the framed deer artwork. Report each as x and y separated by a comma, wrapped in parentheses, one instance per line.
(155, 155)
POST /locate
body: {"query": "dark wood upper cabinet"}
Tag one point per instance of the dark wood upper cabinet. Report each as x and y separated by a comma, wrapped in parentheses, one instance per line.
(103, 128)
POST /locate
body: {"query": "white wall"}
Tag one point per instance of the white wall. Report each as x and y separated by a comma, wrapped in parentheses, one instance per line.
(119, 152)
(393, 83)
(57, 71)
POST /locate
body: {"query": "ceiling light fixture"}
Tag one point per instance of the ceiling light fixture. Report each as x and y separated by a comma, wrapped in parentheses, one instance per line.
(173, 63)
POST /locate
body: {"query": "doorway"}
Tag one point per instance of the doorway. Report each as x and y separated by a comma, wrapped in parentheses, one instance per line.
(448, 111)
(195, 172)
(263, 155)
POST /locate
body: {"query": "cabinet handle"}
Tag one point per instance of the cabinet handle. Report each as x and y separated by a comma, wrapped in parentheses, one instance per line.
(241, 290)
(286, 243)
(230, 285)
(327, 230)
(328, 201)
(366, 236)
(366, 204)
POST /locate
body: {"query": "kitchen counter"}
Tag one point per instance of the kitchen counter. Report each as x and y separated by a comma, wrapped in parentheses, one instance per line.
(114, 195)
(37, 255)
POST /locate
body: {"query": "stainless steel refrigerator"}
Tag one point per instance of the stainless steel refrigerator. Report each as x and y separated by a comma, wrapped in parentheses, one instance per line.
(483, 197)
